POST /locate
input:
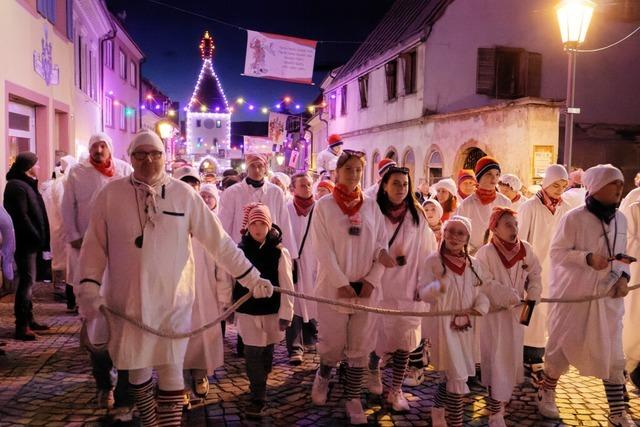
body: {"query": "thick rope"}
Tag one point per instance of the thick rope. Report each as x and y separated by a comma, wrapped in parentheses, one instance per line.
(358, 307)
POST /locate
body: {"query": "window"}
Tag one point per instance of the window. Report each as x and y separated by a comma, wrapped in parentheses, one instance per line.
(47, 8)
(508, 73)
(434, 167)
(198, 123)
(363, 85)
(343, 100)
(409, 64)
(108, 54)
(123, 65)
(93, 76)
(132, 120)
(69, 10)
(332, 105)
(390, 72)
(133, 73)
(123, 117)
(218, 123)
(375, 158)
(108, 111)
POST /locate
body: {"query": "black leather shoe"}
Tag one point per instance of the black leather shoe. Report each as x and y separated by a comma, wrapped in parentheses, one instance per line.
(35, 326)
(25, 334)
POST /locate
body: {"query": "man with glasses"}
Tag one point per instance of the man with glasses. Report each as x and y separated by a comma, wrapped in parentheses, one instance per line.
(84, 181)
(140, 236)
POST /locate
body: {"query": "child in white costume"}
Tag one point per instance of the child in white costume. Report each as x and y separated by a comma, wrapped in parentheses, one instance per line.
(515, 271)
(588, 335)
(630, 335)
(453, 281)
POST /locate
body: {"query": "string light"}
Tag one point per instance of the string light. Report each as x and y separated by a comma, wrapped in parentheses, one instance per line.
(264, 110)
(287, 99)
(240, 100)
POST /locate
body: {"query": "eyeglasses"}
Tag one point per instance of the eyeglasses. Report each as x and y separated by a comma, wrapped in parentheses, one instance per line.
(397, 169)
(143, 155)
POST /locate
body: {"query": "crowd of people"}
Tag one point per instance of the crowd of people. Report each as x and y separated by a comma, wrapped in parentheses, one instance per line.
(174, 251)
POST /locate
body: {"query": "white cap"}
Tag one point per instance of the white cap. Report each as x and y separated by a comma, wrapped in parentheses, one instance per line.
(145, 137)
(185, 171)
(209, 189)
(283, 178)
(448, 184)
(511, 180)
(598, 176)
(438, 206)
(462, 220)
(101, 137)
(554, 173)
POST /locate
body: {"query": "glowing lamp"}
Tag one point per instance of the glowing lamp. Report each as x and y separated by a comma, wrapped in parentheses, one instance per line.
(251, 107)
(287, 99)
(264, 110)
(149, 96)
(574, 17)
(203, 108)
(240, 100)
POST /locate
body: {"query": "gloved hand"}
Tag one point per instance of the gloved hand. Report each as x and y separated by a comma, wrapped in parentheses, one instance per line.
(7, 267)
(89, 300)
(262, 289)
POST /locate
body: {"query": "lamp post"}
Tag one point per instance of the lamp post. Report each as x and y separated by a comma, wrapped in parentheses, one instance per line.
(165, 130)
(574, 17)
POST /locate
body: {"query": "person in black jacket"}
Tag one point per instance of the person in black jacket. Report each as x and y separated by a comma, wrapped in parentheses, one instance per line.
(25, 206)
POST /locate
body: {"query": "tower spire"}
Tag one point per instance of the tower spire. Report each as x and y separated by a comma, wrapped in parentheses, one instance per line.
(206, 46)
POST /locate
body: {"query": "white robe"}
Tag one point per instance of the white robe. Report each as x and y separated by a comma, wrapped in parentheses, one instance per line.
(632, 197)
(400, 284)
(154, 284)
(81, 186)
(587, 334)
(574, 197)
(630, 335)
(479, 214)
(324, 160)
(502, 335)
(453, 351)
(262, 330)
(236, 197)
(372, 190)
(52, 195)
(537, 225)
(516, 205)
(307, 265)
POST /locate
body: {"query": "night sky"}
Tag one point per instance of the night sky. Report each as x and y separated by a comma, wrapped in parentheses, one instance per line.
(169, 39)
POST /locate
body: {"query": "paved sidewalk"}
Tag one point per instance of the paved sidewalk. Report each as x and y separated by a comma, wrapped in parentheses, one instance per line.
(48, 382)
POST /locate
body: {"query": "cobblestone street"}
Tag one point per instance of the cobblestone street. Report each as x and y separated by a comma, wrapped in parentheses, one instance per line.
(48, 382)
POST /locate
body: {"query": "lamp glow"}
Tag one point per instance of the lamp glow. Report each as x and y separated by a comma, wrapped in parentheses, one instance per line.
(574, 17)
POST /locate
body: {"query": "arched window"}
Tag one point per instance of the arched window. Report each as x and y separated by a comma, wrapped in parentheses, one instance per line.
(409, 161)
(392, 154)
(375, 158)
(434, 166)
(472, 156)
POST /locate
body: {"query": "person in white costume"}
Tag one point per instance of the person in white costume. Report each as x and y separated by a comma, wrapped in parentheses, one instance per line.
(136, 258)
(210, 195)
(630, 336)
(330, 154)
(303, 332)
(324, 188)
(283, 181)
(383, 167)
(538, 219)
(515, 275)
(478, 206)
(453, 280)
(446, 195)
(576, 193)
(349, 236)
(510, 185)
(410, 243)
(584, 262)
(84, 181)
(262, 322)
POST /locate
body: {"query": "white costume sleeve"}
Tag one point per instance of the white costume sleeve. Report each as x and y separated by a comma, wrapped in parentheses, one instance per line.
(68, 208)
(481, 303)
(562, 246)
(93, 255)
(430, 290)
(374, 276)
(525, 222)
(285, 279)
(288, 239)
(534, 276)
(321, 246)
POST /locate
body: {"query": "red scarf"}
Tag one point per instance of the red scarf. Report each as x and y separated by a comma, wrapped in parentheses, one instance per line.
(548, 201)
(454, 262)
(462, 195)
(303, 206)
(515, 199)
(349, 202)
(396, 213)
(509, 253)
(486, 196)
(106, 168)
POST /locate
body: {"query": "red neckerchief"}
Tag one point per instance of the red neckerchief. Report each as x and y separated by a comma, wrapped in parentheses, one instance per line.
(454, 262)
(462, 195)
(349, 202)
(486, 196)
(396, 213)
(515, 199)
(548, 201)
(106, 168)
(303, 206)
(509, 253)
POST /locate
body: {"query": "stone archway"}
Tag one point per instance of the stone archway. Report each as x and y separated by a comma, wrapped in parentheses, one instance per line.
(471, 157)
(392, 154)
(433, 165)
(375, 158)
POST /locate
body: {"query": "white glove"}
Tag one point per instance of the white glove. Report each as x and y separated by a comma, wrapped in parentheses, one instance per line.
(89, 300)
(263, 289)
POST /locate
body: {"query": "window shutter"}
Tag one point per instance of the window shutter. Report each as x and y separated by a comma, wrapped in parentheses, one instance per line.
(534, 75)
(486, 72)
(69, 5)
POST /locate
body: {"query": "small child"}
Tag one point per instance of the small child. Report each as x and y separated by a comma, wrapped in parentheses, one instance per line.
(261, 322)
(453, 281)
(515, 270)
(433, 211)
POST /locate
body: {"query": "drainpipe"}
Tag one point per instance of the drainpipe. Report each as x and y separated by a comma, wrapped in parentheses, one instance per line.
(109, 36)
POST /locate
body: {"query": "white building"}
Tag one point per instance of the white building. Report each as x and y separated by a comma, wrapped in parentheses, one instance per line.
(439, 83)
(208, 117)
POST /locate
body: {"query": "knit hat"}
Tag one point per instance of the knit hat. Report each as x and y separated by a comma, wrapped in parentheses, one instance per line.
(209, 189)
(554, 173)
(448, 184)
(145, 137)
(101, 137)
(251, 158)
(334, 140)
(438, 206)
(598, 176)
(484, 165)
(466, 174)
(384, 165)
(185, 171)
(462, 220)
(497, 213)
(255, 212)
(511, 180)
(327, 184)
(66, 162)
(283, 178)
(24, 161)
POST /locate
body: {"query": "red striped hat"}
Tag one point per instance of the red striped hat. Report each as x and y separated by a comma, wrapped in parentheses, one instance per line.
(466, 174)
(255, 212)
(384, 165)
(484, 165)
(329, 185)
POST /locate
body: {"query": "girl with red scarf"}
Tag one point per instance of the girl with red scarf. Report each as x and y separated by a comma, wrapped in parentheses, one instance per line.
(453, 280)
(513, 267)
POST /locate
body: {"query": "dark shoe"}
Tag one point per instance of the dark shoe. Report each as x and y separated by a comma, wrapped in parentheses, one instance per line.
(25, 334)
(35, 326)
(255, 409)
(635, 376)
(296, 359)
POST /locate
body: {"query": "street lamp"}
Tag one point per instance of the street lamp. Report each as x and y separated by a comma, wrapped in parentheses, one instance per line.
(574, 17)
(165, 130)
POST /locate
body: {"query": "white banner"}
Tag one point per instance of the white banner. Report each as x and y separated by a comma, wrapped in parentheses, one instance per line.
(293, 160)
(278, 57)
(257, 145)
(277, 128)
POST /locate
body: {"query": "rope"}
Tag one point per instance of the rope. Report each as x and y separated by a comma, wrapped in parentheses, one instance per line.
(359, 307)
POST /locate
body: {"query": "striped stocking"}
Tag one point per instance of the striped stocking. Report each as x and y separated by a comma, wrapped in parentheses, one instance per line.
(548, 383)
(440, 399)
(143, 396)
(454, 407)
(615, 398)
(354, 382)
(400, 361)
(170, 408)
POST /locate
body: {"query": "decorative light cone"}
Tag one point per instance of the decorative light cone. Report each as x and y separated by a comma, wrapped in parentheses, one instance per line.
(574, 17)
